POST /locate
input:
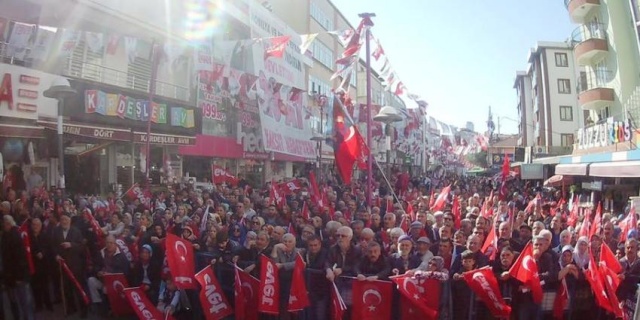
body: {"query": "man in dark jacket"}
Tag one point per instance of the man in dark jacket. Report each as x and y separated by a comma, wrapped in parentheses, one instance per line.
(315, 259)
(42, 256)
(68, 245)
(110, 260)
(16, 269)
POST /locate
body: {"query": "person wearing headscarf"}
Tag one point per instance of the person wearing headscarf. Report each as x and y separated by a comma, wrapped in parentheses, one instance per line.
(581, 253)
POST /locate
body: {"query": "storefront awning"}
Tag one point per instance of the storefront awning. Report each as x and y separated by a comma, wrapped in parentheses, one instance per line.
(579, 169)
(90, 131)
(21, 131)
(619, 169)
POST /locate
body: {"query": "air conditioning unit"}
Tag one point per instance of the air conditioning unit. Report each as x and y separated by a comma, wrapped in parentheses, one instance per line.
(540, 150)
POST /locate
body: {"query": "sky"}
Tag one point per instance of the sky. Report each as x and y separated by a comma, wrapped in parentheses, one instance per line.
(461, 56)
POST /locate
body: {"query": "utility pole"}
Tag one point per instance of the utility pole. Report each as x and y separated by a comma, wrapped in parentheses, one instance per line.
(366, 17)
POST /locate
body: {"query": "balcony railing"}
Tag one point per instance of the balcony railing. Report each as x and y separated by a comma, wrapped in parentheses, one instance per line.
(76, 68)
(594, 79)
(589, 31)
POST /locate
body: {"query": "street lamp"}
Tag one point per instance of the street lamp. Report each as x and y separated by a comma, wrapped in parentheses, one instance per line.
(60, 90)
(320, 100)
(388, 115)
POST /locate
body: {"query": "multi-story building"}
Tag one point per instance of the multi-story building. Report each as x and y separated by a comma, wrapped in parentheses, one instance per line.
(605, 155)
(547, 103)
(107, 56)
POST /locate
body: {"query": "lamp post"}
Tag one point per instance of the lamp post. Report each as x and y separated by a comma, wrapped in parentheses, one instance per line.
(367, 20)
(60, 90)
(320, 100)
(388, 115)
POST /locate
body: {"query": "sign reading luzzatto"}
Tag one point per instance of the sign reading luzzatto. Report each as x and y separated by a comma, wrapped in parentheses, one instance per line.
(604, 134)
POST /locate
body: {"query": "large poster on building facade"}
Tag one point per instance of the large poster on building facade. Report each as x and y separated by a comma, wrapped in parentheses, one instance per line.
(243, 98)
(281, 89)
(408, 137)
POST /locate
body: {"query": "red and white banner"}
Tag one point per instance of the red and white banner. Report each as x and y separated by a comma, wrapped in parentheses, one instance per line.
(277, 198)
(485, 285)
(95, 226)
(291, 187)
(214, 303)
(142, 306)
(26, 242)
(246, 290)
(137, 193)
(115, 283)
(441, 200)
(298, 296)
(338, 307)
(220, 176)
(181, 260)
(421, 293)
(371, 300)
(269, 301)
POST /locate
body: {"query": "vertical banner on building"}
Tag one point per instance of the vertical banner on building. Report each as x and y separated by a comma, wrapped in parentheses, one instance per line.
(281, 81)
(213, 90)
(243, 97)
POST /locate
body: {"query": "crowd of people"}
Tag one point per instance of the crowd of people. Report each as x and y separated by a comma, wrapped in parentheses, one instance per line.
(403, 232)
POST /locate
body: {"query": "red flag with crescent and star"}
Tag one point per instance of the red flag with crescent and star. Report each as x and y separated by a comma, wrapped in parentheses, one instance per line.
(26, 243)
(181, 260)
(246, 288)
(349, 145)
(115, 283)
(371, 300)
(525, 269)
(421, 293)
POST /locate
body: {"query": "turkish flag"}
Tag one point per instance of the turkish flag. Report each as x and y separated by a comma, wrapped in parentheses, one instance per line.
(573, 215)
(142, 306)
(597, 221)
(179, 253)
(95, 226)
(409, 311)
(371, 300)
(26, 243)
(115, 283)
(585, 228)
(597, 286)
(561, 301)
(442, 199)
(611, 283)
(423, 294)
(457, 213)
(245, 288)
(485, 285)
(298, 296)
(629, 223)
(269, 296)
(276, 197)
(506, 167)
(491, 242)
(609, 259)
(214, 303)
(525, 269)
(305, 211)
(276, 47)
(432, 198)
(338, 306)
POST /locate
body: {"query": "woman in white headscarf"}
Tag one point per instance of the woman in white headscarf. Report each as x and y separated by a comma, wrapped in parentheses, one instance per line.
(581, 253)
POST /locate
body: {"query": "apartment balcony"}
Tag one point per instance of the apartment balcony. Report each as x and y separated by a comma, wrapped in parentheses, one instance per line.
(79, 69)
(580, 9)
(594, 93)
(590, 43)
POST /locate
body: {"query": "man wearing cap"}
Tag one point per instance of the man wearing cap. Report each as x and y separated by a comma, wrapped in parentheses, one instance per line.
(424, 253)
(146, 273)
(403, 261)
(416, 231)
(109, 260)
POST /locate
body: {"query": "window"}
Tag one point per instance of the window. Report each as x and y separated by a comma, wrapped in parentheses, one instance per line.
(322, 18)
(566, 140)
(566, 113)
(318, 86)
(322, 53)
(561, 60)
(564, 86)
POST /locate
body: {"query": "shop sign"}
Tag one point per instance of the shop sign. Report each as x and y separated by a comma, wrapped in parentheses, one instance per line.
(21, 93)
(594, 185)
(123, 107)
(531, 171)
(163, 139)
(91, 132)
(252, 147)
(604, 134)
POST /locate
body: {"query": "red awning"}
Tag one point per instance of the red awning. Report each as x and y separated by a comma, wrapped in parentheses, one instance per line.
(21, 131)
(558, 180)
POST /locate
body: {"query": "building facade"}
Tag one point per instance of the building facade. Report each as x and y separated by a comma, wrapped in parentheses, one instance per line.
(547, 101)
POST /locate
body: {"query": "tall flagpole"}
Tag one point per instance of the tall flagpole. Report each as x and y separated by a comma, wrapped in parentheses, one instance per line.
(368, 24)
